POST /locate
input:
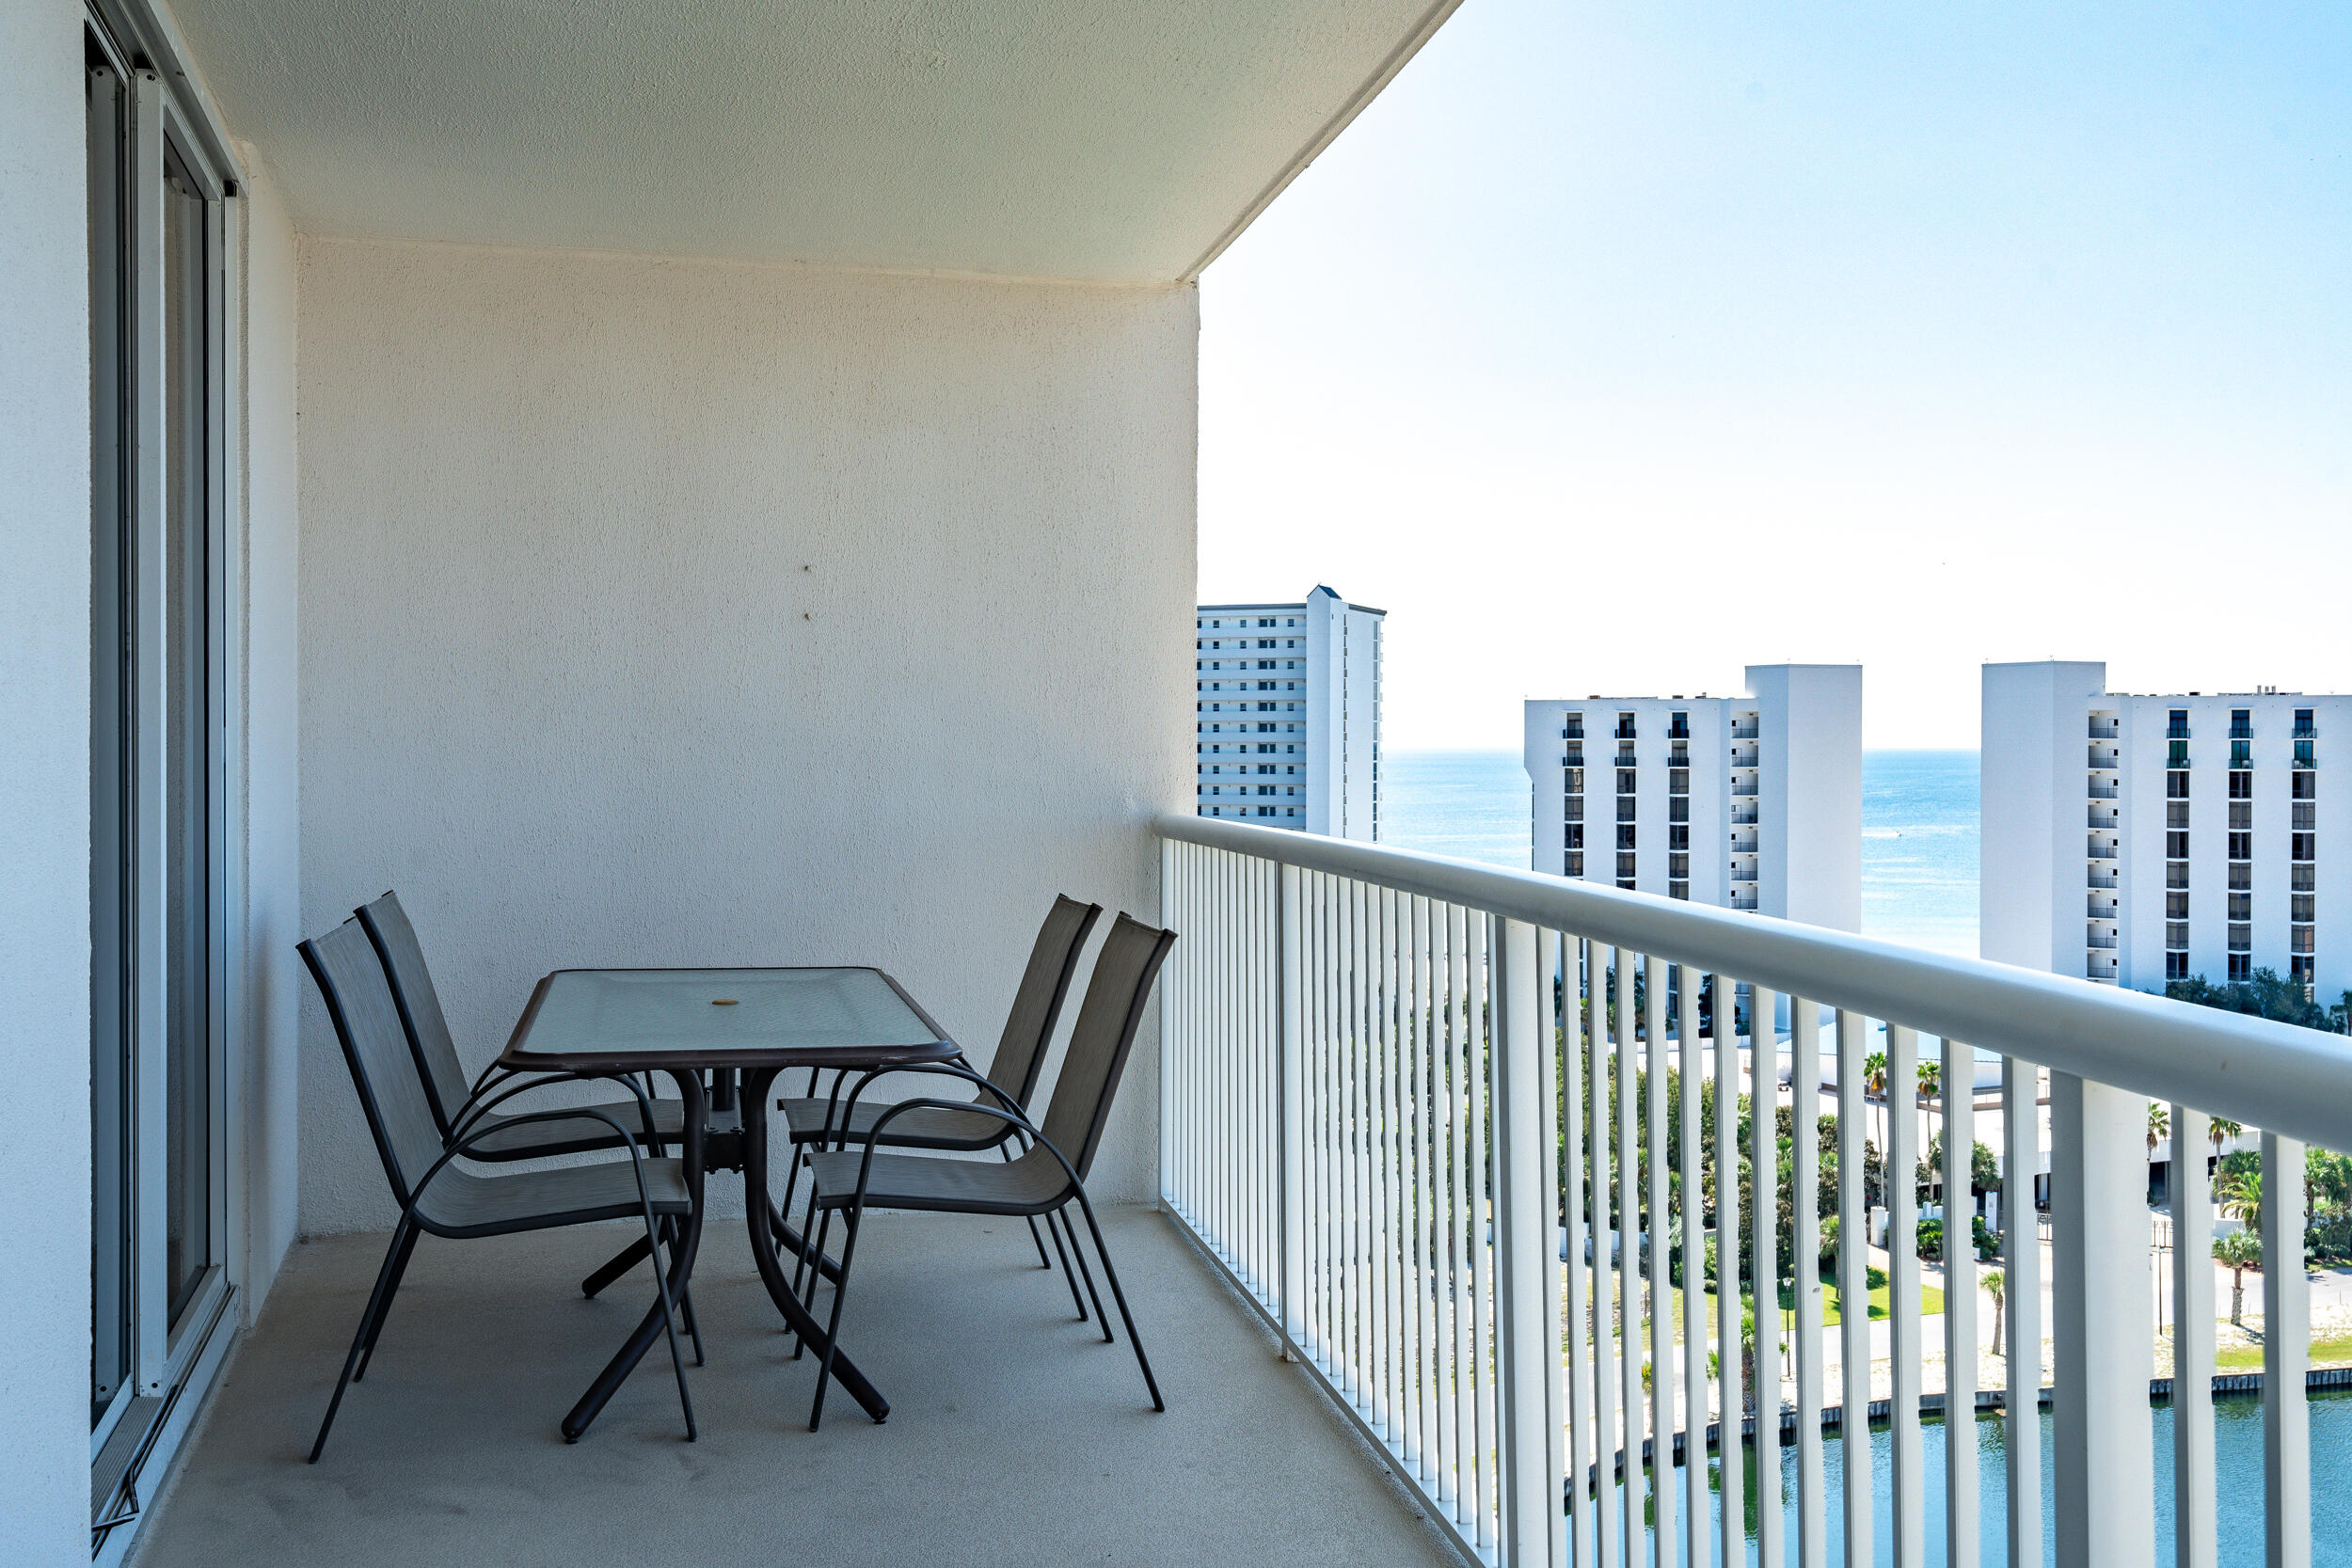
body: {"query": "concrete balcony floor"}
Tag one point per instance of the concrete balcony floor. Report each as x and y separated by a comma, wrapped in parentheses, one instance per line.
(1015, 1436)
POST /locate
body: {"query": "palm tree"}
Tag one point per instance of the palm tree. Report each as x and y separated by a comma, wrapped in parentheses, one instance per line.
(2242, 1200)
(1996, 1285)
(2160, 1125)
(2221, 1130)
(2238, 1252)
(1874, 1083)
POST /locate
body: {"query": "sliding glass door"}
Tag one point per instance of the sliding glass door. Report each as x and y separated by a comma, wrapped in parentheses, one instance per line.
(158, 667)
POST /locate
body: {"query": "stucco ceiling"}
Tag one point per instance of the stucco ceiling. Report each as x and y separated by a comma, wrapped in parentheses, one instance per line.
(1121, 140)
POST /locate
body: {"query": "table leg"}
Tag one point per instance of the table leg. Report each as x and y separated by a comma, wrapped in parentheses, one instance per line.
(681, 1267)
(755, 1211)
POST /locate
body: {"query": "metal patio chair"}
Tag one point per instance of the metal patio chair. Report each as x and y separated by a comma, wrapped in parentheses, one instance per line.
(500, 1137)
(439, 1196)
(1011, 1076)
(1044, 1181)
(449, 1091)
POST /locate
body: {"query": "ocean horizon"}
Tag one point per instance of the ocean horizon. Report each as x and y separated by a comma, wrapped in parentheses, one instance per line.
(1919, 830)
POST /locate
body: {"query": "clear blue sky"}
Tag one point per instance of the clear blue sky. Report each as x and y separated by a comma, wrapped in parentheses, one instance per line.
(1618, 346)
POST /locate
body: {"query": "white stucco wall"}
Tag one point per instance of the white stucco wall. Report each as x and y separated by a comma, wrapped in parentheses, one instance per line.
(660, 611)
(45, 786)
(273, 977)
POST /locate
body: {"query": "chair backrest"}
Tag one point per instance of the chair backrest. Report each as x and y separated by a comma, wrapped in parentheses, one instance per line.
(367, 1022)
(1037, 1006)
(446, 1086)
(1106, 1031)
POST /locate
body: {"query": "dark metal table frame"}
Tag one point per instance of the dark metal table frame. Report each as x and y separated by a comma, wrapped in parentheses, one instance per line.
(725, 1127)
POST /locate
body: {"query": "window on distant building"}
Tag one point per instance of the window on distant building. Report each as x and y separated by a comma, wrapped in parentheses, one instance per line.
(2176, 814)
(2241, 847)
(2176, 906)
(2241, 967)
(2241, 906)
(2178, 730)
(2176, 786)
(1625, 835)
(2176, 965)
(2241, 877)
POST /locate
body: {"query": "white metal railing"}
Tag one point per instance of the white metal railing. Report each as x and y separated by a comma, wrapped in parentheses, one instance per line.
(1390, 1109)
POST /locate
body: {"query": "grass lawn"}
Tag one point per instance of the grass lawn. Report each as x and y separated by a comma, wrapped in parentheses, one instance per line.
(1930, 1301)
(1930, 1304)
(2249, 1358)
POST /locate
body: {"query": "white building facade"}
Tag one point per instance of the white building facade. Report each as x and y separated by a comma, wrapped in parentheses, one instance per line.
(1287, 704)
(2202, 820)
(1748, 802)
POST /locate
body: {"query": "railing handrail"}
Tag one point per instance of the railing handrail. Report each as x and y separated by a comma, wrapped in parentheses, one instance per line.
(2279, 1077)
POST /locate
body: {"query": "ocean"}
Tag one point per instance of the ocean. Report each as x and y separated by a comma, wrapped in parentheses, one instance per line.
(1918, 830)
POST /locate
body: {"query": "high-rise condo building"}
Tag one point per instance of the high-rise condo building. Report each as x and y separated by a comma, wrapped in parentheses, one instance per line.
(1287, 714)
(2140, 839)
(1749, 803)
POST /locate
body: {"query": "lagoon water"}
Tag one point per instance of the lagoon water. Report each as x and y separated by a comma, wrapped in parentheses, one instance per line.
(1919, 832)
(2237, 1452)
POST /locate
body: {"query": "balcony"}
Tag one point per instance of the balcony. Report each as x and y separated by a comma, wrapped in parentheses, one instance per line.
(2102, 849)
(1743, 818)
(2102, 909)
(2099, 878)
(2104, 761)
(1745, 731)
(2103, 791)
(1743, 791)
(2099, 939)
(447, 1451)
(1743, 759)
(2102, 817)
(1393, 1304)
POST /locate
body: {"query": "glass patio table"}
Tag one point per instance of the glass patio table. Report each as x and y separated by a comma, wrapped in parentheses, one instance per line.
(722, 1035)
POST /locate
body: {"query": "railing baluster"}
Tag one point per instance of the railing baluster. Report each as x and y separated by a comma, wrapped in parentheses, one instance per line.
(1482, 1223)
(2286, 1353)
(2021, 1259)
(1394, 1252)
(1291, 1122)
(1903, 1300)
(1416, 1182)
(1628, 1249)
(1527, 1338)
(1664, 1551)
(1957, 1080)
(1853, 1286)
(1771, 1531)
(1598, 1070)
(1576, 1295)
(1462, 1063)
(1804, 1264)
(1693, 1268)
(2196, 1542)
(2103, 1481)
(1729, 1380)
(1379, 1161)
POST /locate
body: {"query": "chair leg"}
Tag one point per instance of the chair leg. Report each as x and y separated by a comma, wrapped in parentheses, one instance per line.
(391, 1289)
(812, 1248)
(358, 1339)
(615, 1266)
(1069, 1274)
(832, 1327)
(1086, 1273)
(791, 1182)
(1036, 1241)
(669, 1326)
(1120, 1296)
(686, 1298)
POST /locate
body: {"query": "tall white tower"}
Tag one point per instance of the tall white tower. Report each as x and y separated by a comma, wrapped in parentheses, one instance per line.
(1749, 803)
(2191, 841)
(1287, 714)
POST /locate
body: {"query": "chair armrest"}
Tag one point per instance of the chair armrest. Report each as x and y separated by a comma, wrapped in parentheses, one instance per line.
(940, 1069)
(866, 1167)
